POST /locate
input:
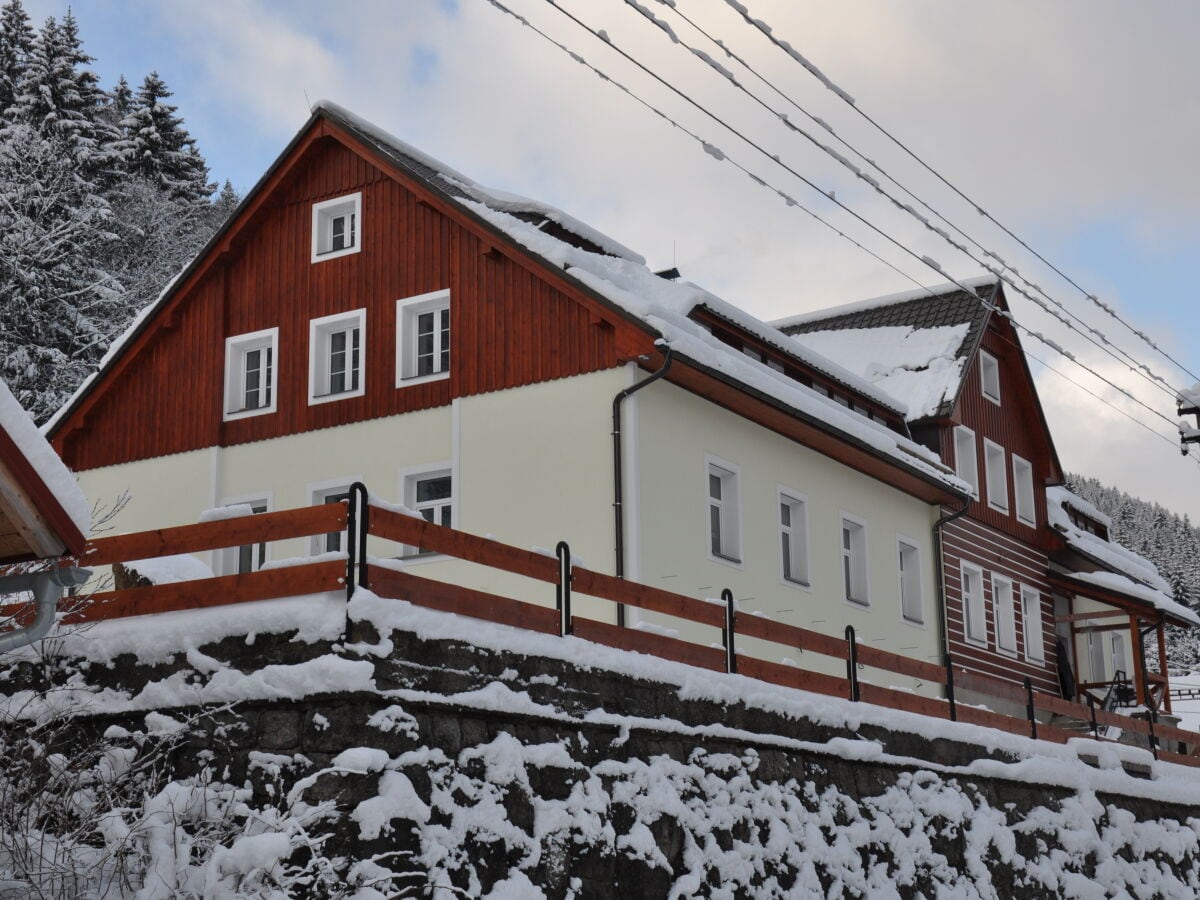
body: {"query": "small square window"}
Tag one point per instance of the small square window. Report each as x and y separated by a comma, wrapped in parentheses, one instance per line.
(335, 356)
(724, 539)
(997, 476)
(966, 459)
(336, 227)
(250, 363)
(854, 561)
(793, 536)
(910, 583)
(422, 338)
(429, 492)
(989, 375)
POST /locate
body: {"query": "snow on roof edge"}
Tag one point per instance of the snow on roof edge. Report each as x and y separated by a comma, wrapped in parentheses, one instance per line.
(975, 282)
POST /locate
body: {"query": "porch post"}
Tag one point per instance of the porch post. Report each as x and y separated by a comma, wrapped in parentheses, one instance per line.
(1139, 660)
(1162, 664)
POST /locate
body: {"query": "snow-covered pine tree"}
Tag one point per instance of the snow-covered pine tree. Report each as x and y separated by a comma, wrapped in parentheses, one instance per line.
(156, 146)
(16, 43)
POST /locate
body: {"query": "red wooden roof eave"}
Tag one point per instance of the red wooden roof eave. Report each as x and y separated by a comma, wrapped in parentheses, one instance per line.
(44, 500)
(1132, 605)
(811, 432)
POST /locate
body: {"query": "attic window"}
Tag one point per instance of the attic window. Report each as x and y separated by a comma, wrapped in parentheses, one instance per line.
(989, 373)
(335, 227)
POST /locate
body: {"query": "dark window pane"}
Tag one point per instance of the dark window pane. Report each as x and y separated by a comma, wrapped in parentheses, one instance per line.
(785, 514)
(433, 489)
(446, 515)
(339, 233)
(714, 525)
(714, 486)
(787, 554)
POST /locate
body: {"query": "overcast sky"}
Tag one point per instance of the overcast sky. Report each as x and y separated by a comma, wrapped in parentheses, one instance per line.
(1073, 123)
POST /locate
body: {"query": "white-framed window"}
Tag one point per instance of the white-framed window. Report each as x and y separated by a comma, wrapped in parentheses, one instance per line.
(1095, 646)
(250, 363)
(911, 607)
(793, 537)
(335, 353)
(724, 519)
(422, 338)
(989, 376)
(1023, 490)
(331, 492)
(997, 476)
(248, 557)
(1120, 664)
(966, 458)
(1031, 623)
(1004, 608)
(854, 561)
(336, 227)
(429, 490)
(974, 610)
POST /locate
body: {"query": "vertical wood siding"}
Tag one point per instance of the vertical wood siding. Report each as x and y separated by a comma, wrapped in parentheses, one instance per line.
(509, 327)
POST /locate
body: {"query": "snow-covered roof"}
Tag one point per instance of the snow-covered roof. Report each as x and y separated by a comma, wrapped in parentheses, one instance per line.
(50, 494)
(875, 303)
(1130, 574)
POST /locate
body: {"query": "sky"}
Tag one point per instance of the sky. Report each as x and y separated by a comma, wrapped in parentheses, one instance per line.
(1073, 124)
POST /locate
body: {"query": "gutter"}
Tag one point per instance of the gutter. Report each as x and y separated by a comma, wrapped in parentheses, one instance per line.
(939, 552)
(618, 485)
(47, 588)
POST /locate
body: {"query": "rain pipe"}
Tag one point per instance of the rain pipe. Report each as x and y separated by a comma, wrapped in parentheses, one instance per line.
(47, 587)
(939, 553)
(618, 488)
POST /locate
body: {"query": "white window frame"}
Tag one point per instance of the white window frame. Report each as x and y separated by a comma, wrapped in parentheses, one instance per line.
(1116, 646)
(909, 580)
(319, 333)
(967, 467)
(323, 215)
(409, 477)
(1024, 497)
(1005, 613)
(317, 492)
(996, 475)
(977, 599)
(407, 312)
(228, 557)
(1031, 624)
(730, 550)
(800, 561)
(236, 349)
(856, 569)
(989, 365)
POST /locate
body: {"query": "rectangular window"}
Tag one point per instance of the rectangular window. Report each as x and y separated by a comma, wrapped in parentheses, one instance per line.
(335, 356)
(1095, 644)
(989, 375)
(1023, 490)
(997, 476)
(974, 611)
(1031, 622)
(250, 373)
(334, 541)
(910, 583)
(1003, 606)
(723, 525)
(422, 338)
(854, 561)
(251, 556)
(430, 493)
(1118, 656)
(335, 227)
(966, 458)
(793, 537)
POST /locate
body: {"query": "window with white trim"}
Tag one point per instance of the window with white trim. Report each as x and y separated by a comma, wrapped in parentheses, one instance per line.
(854, 561)
(974, 611)
(248, 557)
(1095, 646)
(793, 538)
(250, 361)
(997, 476)
(989, 376)
(336, 227)
(1031, 623)
(724, 539)
(910, 583)
(1118, 655)
(430, 493)
(334, 541)
(966, 458)
(335, 356)
(422, 338)
(1023, 490)
(1004, 607)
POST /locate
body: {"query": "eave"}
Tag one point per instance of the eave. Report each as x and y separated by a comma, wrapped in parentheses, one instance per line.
(38, 526)
(1132, 605)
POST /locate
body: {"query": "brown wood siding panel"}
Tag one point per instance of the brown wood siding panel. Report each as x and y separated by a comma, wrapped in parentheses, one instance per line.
(994, 552)
(509, 326)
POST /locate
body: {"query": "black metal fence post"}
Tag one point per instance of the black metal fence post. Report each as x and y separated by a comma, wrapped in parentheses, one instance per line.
(1151, 721)
(357, 517)
(1029, 712)
(950, 689)
(852, 663)
(563, 591)
(729, 631)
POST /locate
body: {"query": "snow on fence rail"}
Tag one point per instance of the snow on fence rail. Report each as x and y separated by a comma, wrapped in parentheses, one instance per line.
(388, 524)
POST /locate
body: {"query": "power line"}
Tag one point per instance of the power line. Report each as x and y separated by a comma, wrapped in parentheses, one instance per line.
(765, 29)
(1103, 344)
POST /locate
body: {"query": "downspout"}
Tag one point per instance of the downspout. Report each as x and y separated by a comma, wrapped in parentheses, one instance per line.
(47, 587)
(618, 488)
(940, 552)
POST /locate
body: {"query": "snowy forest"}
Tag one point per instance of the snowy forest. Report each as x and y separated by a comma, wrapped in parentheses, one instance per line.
(103, 197)
(1168, 540)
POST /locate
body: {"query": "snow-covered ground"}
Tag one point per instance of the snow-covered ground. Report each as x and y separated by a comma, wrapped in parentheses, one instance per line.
(1187, 710)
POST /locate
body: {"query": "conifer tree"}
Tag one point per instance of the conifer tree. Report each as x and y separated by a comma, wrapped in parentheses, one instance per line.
(157, 146)
(16, 43)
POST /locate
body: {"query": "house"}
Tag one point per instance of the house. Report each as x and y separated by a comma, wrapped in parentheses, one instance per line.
(371, 315)
(43, 515)
(1032, 583)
